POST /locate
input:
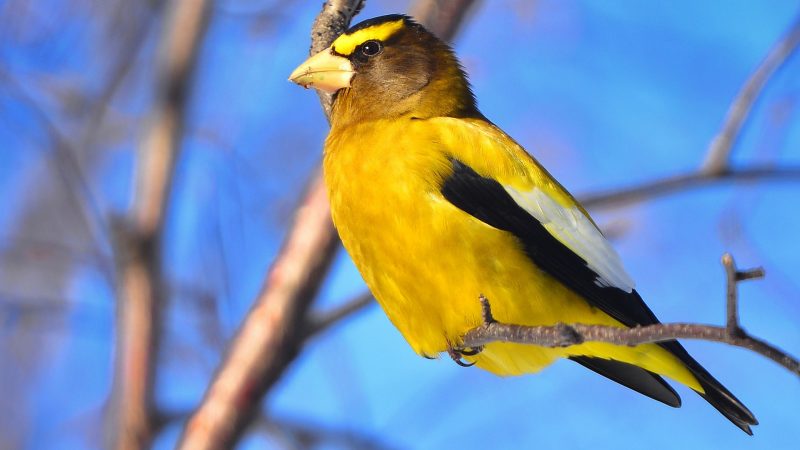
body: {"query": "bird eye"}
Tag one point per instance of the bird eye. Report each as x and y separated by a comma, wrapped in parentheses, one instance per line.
(371, 48)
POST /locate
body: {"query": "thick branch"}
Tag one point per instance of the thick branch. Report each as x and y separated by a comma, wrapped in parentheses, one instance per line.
(270, 336)
(566, 335)
(137, 239)
(718, 156)
(267, 340)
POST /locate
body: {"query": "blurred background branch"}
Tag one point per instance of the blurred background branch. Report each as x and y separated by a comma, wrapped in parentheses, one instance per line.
(269, 338)
(717, 159)
(140, 292)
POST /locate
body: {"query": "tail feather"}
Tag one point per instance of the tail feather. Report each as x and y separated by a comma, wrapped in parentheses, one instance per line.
(633, 377)
(715, 393)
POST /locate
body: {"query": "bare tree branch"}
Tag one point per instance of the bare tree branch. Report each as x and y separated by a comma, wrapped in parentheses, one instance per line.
(303, 435)
(138, 238)
(718, 156)
(158, 150)
(267, 341)
(293, 433)
(320, 322)
(70, 171)
(269, 338)
(443, 17)
(566, 335)
(649, 190)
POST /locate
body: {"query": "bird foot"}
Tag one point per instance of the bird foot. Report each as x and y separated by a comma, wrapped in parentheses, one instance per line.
(458, 354)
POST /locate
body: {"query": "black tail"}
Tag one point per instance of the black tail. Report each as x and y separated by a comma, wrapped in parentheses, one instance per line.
(715, 392)
(653, 386)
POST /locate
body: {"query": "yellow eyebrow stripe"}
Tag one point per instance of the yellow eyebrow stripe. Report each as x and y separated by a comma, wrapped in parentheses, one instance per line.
(347, 43)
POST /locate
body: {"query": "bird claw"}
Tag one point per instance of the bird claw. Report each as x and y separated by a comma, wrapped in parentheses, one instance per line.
(458, 354)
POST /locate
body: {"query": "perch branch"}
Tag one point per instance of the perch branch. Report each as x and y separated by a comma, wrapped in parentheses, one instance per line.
(137, 239)
(566, 335)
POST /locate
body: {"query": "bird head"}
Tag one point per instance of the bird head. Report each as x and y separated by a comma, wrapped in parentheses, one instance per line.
(388, 67)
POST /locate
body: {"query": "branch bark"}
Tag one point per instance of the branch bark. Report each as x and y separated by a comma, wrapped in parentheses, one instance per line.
(566, 335)
(137, 239)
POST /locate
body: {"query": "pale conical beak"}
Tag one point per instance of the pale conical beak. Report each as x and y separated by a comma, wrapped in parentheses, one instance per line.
(324, 71)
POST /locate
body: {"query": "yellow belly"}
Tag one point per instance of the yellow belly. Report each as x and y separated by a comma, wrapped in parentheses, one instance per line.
(427, 262)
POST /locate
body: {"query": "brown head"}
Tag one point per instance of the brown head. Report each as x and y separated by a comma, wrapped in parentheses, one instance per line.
(388, 67)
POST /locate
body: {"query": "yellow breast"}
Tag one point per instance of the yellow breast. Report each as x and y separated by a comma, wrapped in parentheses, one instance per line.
(427, 261)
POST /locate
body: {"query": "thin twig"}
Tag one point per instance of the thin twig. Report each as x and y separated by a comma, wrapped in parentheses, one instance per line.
(320, 322)
(731, 297)
(305, 435)
(681, 182)
(138, 238)
(71, 172)
(718, 155)
(566, 335)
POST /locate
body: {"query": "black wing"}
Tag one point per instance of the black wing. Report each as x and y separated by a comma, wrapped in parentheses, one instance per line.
(486, 200)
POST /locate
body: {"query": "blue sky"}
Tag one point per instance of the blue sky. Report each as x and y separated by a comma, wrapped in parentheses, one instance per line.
(604, 94)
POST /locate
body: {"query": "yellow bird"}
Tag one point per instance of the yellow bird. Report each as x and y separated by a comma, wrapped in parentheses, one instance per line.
(437, 205)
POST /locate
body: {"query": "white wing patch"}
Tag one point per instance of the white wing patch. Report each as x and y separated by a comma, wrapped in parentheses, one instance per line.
(573, 229)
